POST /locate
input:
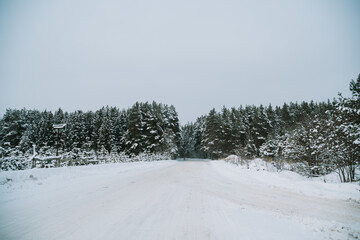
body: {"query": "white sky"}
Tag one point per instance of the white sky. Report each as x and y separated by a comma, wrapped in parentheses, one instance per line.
(194, 54)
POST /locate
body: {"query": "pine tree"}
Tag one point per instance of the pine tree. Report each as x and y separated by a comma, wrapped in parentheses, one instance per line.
(285, 117)
(133, 138)
(235, 130)
(345, 144)
(210, 141)
(174, 126)
(187, 141)
(226, 143)
(105, 138)
(96, 124)
(199, 129)
(46, 134)
(13, 126)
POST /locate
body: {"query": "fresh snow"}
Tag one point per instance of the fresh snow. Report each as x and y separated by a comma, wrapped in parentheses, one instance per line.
(261, 172)
(174, 200)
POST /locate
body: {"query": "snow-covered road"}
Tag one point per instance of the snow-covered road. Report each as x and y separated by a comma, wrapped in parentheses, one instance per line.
(165, 200)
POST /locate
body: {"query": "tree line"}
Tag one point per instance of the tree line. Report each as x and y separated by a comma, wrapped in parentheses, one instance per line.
(323, 136)
(144, 128)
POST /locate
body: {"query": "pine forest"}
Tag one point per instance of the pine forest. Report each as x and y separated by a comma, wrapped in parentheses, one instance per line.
(315, 137)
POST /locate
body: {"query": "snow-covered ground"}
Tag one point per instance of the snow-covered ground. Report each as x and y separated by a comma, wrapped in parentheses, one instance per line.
(174, 200)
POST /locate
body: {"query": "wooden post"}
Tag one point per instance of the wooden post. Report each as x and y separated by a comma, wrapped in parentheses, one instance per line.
(34, 153)
(57, 145)
(58, 127)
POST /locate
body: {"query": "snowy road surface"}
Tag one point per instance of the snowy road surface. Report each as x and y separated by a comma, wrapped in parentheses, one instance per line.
(165, 200)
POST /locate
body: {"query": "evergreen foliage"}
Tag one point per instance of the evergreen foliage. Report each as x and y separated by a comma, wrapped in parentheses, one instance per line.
(323, 136)
(143, 128)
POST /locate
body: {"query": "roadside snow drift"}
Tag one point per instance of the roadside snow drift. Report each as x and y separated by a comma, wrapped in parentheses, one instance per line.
(174, 200)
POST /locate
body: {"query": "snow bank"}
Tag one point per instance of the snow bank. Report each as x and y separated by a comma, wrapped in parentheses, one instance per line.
(28, 180)
(258, 172)
(257, 164)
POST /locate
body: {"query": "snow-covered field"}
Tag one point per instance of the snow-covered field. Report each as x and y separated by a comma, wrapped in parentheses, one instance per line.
(174, 200)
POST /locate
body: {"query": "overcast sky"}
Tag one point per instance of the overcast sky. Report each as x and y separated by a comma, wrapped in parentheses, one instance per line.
(194, 54)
